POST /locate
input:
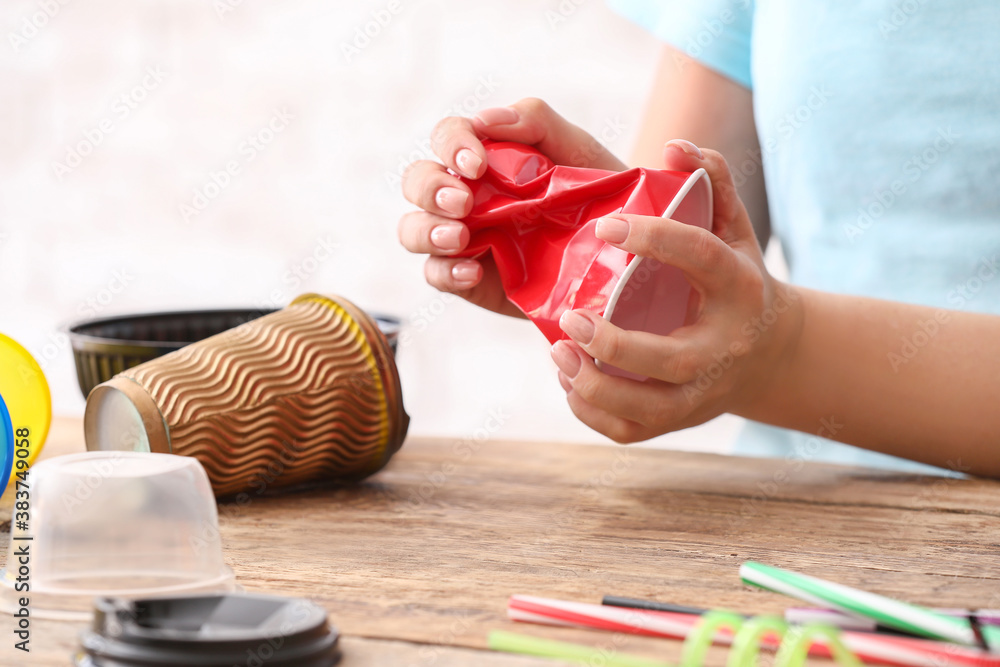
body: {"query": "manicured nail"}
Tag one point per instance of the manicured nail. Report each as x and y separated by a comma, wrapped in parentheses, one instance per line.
(468, 162)
(447, 237)
(465, 274)
(687, 147)
(452, 200)
(612, 230)
(564, 382)
(498, 116)
(566, 359)
(577, 326)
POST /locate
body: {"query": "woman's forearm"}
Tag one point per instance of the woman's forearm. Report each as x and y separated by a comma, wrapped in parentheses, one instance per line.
(911, 381)
(714, 111)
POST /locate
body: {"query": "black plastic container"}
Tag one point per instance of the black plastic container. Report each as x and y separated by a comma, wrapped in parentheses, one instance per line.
(104, 347)
(211, 631)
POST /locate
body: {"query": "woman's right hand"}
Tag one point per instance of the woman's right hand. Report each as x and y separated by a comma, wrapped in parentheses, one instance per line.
(444, 199)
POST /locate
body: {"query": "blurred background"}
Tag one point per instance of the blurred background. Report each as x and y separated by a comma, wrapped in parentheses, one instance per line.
(174, 154)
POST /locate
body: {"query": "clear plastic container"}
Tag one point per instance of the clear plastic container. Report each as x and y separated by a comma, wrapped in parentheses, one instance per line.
(113, 523)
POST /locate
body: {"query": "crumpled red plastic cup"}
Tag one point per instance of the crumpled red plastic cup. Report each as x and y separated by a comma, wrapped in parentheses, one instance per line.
(537, 219)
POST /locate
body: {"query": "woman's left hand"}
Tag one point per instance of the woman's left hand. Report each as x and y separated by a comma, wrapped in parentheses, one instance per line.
(741, 329)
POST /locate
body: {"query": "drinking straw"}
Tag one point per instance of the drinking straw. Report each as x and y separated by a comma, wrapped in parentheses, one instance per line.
(888, 612)
(799, 640)
(632, 603)
(511, 642)
(749, 635)
(870, 647)
(806, 615)
(703, 634)
(838, 619)
(984, 616)
(746, 645)
(617, 619)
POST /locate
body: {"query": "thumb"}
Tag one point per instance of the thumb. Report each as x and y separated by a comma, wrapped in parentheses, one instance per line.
(531, 121)
(730, 221)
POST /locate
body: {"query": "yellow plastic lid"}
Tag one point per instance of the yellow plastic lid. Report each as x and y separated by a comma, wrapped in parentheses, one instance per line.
(25, 406)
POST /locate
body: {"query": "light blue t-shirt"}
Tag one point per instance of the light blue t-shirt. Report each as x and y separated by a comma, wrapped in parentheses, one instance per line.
(879, 124)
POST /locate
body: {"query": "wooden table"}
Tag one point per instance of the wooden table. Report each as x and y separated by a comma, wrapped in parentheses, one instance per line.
(415, 565)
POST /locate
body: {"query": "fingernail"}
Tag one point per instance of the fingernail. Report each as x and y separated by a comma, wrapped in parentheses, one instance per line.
(612, 230)
(687, 147)
(452, 200)
(564, 382)
(577, 326)
(566, 359)
(468, 162)
(465, 273)
(498, 116)
(447, 237)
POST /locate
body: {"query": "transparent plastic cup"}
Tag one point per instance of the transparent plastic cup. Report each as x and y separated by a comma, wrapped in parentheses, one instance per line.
(113, 523)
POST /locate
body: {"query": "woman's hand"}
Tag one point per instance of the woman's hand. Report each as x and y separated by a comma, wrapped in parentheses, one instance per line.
(444, 200)
(742, 325)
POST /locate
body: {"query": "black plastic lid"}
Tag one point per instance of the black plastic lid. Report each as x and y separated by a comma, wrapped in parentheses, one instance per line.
(211, 631)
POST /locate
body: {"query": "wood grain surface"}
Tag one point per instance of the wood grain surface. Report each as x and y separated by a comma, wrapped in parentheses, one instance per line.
(421, 558)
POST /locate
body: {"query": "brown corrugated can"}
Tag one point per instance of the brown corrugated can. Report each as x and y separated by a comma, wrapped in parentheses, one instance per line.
(309, 393)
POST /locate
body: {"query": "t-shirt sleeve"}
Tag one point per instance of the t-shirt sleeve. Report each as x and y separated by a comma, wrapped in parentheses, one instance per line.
(716, 33)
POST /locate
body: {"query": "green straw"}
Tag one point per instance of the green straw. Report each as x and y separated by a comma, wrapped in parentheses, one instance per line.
(510, 642)
(749, 634)
(892, 613)
(795, 647)
(702, 635)
(746, 643)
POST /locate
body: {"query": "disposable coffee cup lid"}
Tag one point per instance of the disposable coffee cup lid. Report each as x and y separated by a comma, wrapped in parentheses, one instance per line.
(210, 631)
(27, 411)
